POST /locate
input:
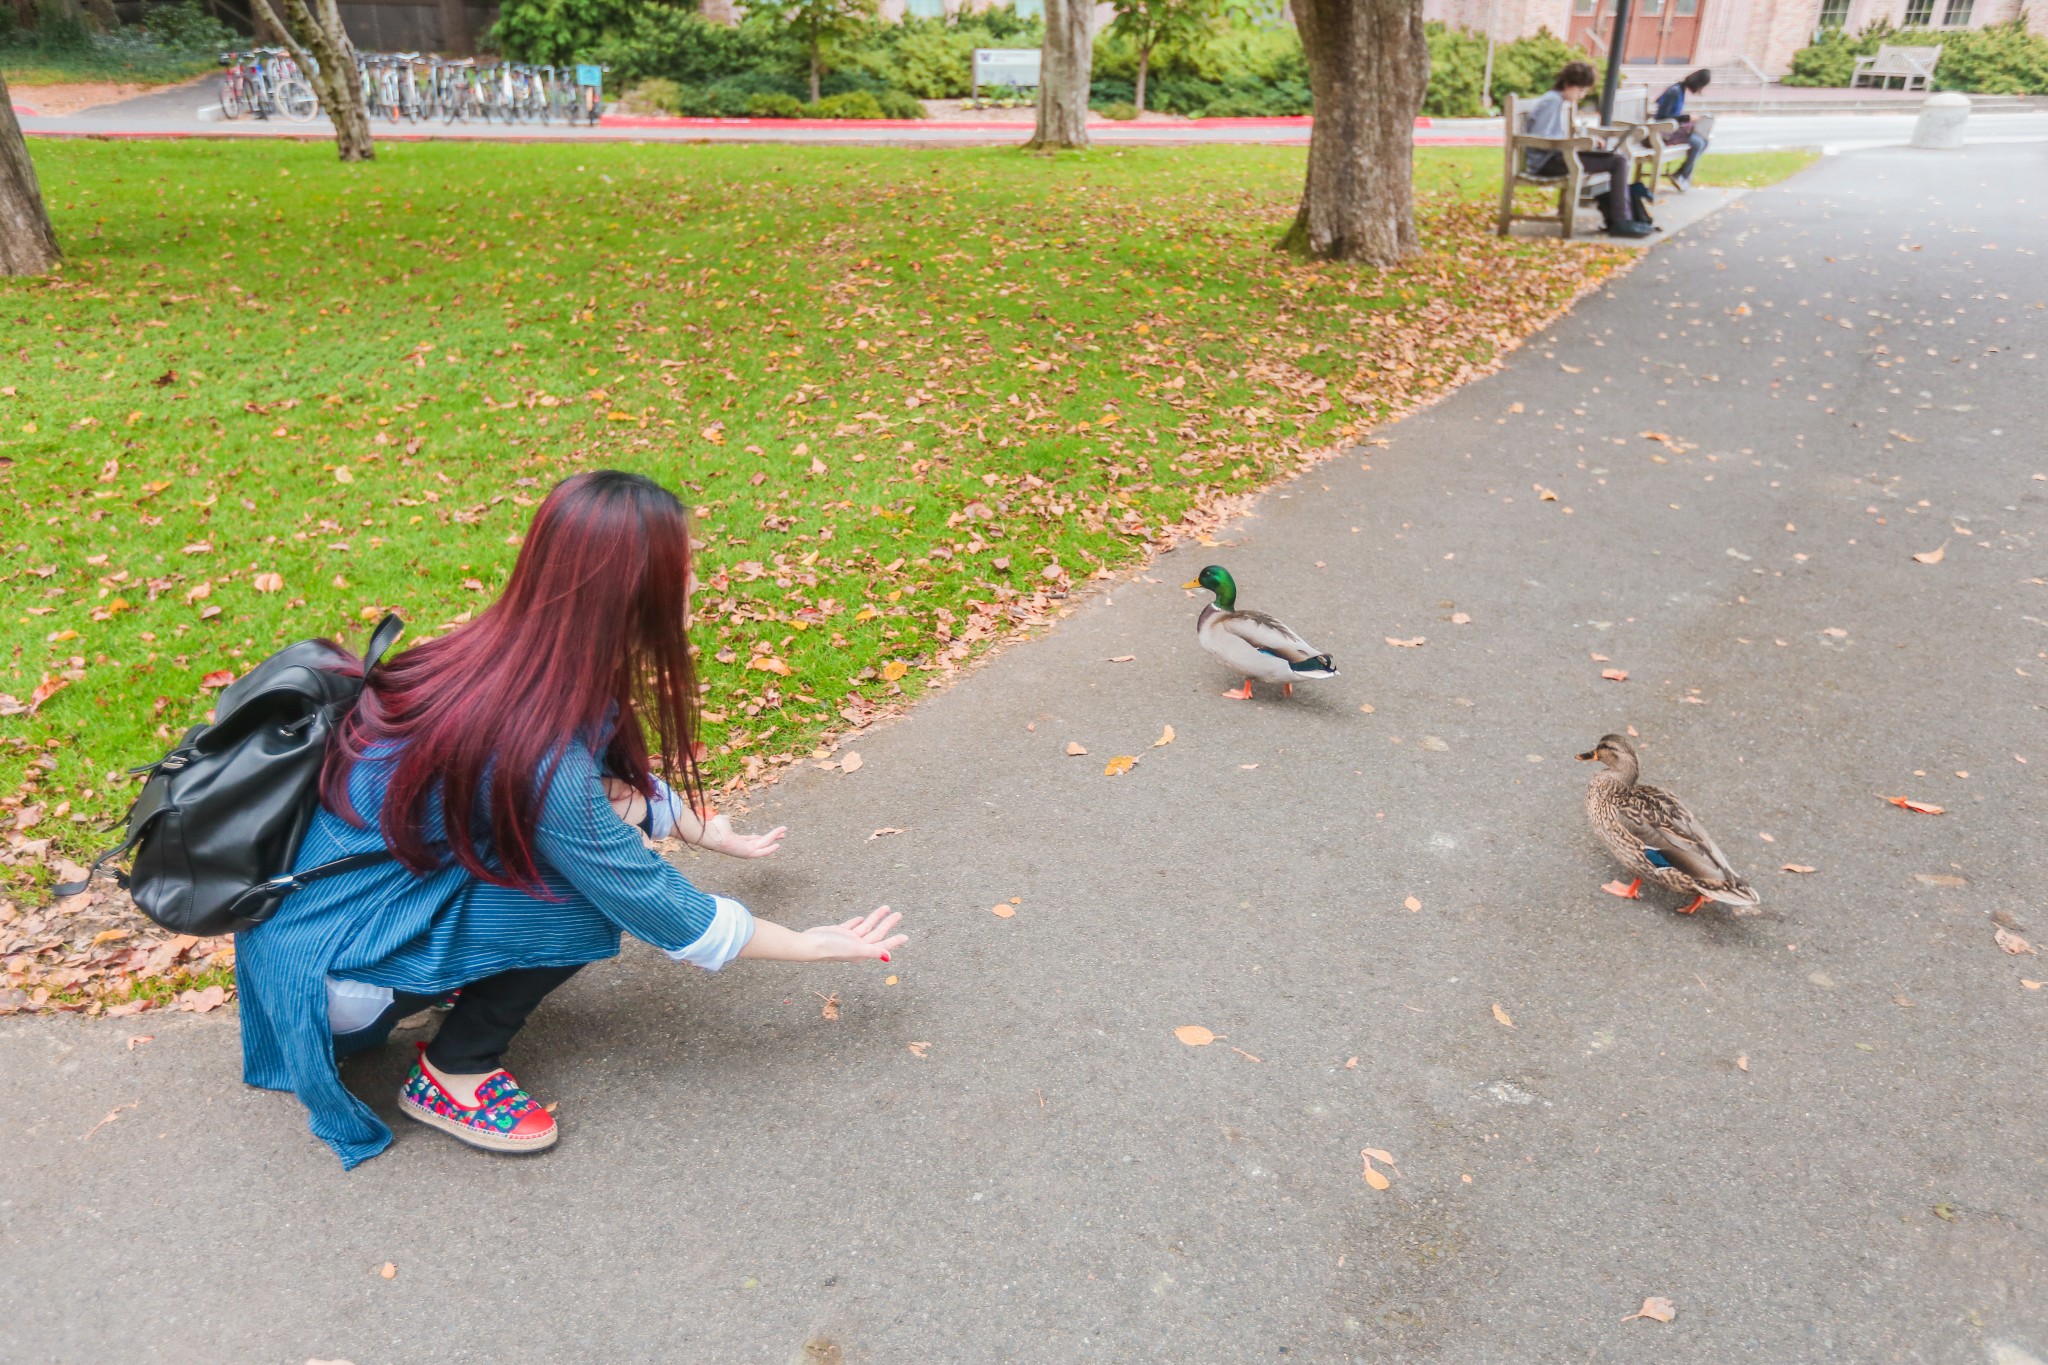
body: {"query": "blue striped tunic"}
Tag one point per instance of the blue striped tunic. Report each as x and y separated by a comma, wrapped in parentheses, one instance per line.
(387, 927)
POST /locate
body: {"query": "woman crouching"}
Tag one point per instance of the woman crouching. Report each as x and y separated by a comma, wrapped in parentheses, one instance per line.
(542, 724)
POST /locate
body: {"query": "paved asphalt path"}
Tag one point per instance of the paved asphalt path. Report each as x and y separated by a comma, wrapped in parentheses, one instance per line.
(1057, 1179)
(175, 113)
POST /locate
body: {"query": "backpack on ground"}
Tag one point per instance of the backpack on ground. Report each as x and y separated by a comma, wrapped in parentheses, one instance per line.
(1640, 197)
(219, 821)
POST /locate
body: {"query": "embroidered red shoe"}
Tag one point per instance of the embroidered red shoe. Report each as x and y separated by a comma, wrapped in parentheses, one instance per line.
(505, 1119)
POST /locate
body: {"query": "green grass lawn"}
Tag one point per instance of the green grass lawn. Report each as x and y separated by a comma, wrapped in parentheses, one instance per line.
(914, 396)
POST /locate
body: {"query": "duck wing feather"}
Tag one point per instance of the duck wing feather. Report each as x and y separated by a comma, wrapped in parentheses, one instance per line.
(1262, 632)
(1661, 821)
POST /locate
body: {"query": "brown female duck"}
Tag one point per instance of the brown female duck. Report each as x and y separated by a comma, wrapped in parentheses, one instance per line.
(1655, 836)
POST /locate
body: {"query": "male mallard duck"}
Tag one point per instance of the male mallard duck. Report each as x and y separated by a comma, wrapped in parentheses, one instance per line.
(1252, 642)
(1655, 836)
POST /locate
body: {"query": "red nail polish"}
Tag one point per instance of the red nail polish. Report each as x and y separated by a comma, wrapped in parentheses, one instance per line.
(885, 957)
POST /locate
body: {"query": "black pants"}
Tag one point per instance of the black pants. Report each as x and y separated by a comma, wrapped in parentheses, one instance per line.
(1614, 205)
(474, 1036)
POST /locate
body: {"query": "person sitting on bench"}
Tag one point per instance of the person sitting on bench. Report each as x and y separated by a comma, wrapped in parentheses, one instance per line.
(1550, 116)
(1671, 105)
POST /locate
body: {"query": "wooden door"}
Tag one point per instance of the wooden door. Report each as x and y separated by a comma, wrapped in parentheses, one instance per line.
(1660, 32)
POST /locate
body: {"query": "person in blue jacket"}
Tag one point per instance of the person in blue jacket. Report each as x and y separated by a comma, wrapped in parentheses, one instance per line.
(1671, 105)
(512, 768)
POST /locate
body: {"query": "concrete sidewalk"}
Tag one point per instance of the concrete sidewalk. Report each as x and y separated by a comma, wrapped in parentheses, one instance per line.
(1817, 1131)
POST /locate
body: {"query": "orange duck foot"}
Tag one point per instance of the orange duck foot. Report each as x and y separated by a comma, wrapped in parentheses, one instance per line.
(1245, 695)
(1632, 892)
(1698, 901)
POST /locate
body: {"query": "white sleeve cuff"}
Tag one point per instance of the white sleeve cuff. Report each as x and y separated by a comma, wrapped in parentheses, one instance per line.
(732, 929)
(665, 811)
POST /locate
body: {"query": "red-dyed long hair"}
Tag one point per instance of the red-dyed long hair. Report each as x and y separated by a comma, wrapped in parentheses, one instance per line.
(589, 633)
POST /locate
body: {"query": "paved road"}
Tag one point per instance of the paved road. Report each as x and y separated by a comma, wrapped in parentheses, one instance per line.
(175, 113)
(1058, 1179)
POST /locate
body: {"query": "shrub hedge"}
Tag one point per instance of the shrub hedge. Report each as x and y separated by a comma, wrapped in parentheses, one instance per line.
(1998, 59)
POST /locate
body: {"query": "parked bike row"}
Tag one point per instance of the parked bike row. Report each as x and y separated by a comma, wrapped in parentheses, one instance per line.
(413, 87)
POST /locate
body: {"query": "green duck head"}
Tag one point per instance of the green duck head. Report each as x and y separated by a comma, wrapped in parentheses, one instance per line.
(1217, 579)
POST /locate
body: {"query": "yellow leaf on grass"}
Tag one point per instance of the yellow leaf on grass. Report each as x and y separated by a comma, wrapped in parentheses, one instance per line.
(1166, 737)
(768, 663)
(1194, 1035)
(1502, 1016)
(1118, 766)
(894, 669)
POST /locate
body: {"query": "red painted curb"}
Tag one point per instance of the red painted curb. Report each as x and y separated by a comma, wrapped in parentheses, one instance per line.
(25, 111)
(963, 125)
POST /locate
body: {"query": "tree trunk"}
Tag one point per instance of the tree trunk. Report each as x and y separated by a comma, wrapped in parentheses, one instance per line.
(27, 246)
(1144, 64)
(817, 62)
(1064, 73)
(1368, 67)
(320, 45)
(456, 38)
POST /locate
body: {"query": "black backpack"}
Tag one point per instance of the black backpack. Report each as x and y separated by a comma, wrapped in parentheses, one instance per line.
(220, 819)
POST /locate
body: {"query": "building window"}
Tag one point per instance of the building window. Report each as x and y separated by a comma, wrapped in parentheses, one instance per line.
(1957, 15)
(1834, 13)
(1649, 9)
(1582, 6)
(1919, 13)
(926, 9)
(1686, 9)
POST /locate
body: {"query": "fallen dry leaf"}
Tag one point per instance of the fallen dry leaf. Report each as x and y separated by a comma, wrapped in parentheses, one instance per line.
(1165, 737)
(1501, 1016)
(2011, 942)
(1351, 1065)
(1933, 556)
(1656, 1310)
(831, 1009)
(1075, 750)
(2032, 985)
(1904, 803)
(917, 1049)
(1366, 707)
(1742, 1063)
(1836, 633)
(1374, 1178)
(388, 1271)
(1002, 911)
(1246, 1055)
(885, 831)
(1121, 658)
(1118, 766)
(139, 1039)
(1459, 618)
(1194, 1035)
(1614, 674)
(1415, 643)
(1412, 904)
(1801, 868)
(268, 582)
(894, 670)
(850, 763)
(112, 1114)
(218, 678)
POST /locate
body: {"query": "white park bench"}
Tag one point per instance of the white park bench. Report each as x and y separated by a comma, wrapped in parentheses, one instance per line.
(1903, 64)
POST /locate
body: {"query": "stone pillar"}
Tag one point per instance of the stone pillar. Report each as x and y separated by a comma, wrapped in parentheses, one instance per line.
(1940, 125)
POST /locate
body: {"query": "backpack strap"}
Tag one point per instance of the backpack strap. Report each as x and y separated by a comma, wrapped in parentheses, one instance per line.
(288, 882)
(381, 639)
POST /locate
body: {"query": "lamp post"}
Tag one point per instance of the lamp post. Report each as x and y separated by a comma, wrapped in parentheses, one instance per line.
(1486, 81)
(1617, 45)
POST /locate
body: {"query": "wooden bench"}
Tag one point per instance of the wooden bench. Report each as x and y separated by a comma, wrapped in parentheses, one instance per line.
(1642, 142)
(1903, 64)
(1641, 136)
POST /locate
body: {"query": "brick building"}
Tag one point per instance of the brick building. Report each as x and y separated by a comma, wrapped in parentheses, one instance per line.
(1730, 36)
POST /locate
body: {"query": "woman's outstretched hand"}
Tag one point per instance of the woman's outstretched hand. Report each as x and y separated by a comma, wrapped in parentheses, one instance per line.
(720, 837)
(858, 940)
